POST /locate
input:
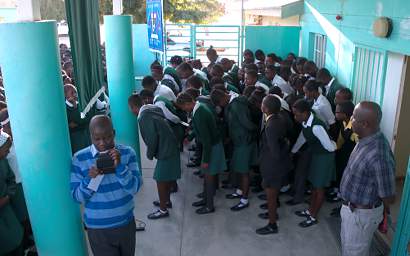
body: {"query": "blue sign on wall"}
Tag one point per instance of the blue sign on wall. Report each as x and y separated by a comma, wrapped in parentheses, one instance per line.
(155, 25)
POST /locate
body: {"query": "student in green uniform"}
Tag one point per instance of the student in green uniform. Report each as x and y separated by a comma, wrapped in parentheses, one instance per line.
(218, 73)
(213, 156)
(185, 71)
(78, 126)
(147, 96)
(168, 79)
(240, 130)
(11, 231)
(322, 164)
(161, 144)
(248, 57)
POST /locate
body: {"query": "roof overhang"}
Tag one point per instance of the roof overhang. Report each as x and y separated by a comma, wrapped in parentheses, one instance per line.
(275, 8)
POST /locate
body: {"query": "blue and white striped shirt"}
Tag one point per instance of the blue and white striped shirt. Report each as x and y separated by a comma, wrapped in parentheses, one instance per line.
(112, 204)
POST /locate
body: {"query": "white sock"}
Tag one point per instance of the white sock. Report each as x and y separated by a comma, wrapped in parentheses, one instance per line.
(163, 211)
(238, 192)
(244, 200)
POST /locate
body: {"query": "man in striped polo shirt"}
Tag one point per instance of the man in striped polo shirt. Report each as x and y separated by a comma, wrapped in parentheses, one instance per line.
(108, 196)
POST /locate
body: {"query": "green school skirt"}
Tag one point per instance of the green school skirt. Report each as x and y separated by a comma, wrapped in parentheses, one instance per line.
(168, 169)
(217, 163)
(18, 203)
(11, 231)
(243, 157)
(322, 170)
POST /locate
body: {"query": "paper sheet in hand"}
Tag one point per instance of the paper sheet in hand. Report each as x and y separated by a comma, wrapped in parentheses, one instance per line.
(95, 183)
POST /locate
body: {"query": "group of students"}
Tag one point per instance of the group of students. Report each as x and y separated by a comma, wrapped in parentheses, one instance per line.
(16, 237)
(271, 123)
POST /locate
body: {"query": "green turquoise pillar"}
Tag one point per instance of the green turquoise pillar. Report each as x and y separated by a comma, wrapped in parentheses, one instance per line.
(120, 75)
(30, 64)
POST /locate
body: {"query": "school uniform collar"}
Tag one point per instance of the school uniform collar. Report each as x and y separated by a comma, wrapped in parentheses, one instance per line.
(69, 103)
(309, 122)
(94, 150)
(233, 96)
(233, 68)
(197, 104)
(262, 85)
(268, 117)
(319, 100)
(327, 87)
(347, 125)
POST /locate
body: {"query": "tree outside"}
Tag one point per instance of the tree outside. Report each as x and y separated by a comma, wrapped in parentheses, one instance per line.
(176, 11)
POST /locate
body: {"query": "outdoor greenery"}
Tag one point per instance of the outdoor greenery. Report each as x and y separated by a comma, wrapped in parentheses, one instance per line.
(189, 11)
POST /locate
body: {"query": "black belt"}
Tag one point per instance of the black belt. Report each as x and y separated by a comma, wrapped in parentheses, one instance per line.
(353, 206)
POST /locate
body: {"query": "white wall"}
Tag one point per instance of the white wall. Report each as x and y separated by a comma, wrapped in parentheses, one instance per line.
(390, 106)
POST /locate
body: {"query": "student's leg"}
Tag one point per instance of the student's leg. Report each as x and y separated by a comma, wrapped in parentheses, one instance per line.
(101, 243)
(245, 185)
(272, 196)
(320, 196)
(301, 173)
(163, 193)
(127, 240)
(210, 190)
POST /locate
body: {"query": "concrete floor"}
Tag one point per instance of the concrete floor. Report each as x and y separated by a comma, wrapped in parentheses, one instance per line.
(225, 232)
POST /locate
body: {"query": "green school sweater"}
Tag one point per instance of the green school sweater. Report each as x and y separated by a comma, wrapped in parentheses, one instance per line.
(79, 135)
(205, 129)
(157, 133)
(172, 72)
(241, 127)
(11, 231)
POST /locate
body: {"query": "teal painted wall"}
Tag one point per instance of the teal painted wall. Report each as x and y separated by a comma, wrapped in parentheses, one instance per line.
(142, 56)
(354, 29)
(272, 39)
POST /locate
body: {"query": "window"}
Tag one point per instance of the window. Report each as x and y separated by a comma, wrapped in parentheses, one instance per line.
(369, 74)
(319, 50)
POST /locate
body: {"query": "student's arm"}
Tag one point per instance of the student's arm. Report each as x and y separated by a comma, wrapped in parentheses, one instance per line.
(243, 117)
(79, 183)
(149, 135)
(299, 143)
(323, 137)
(128, 173)
(201, 124)
(272, 132)
(168, 114)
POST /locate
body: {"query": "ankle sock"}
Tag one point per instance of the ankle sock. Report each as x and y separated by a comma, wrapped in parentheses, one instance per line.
(244, 200)
(238, 192)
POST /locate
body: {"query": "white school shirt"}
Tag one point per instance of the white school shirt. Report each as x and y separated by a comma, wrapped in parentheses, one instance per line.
(323, 110)
(327, 87)
(12, 160)
(262, 85)
(319, 133)
(283, 85)
(167, 113)
(166, 92)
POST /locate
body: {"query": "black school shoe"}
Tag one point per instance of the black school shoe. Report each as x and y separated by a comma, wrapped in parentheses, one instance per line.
(265, 215)
(262, 197)
(304, 213)
(156, 203)
(268, 229)
(264, 206)
(232, 196)
(158, 214)
(205, 210)
(239, 206)
(199, 203)
(200, 195)
(310, 221)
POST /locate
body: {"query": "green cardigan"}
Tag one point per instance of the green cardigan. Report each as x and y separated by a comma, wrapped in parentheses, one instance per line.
(205, 129)
(79, 136)
(11, 231)
(157, 133)
(241, 127)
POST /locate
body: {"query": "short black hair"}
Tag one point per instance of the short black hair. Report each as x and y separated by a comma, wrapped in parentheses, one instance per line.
(218, 67)
(275, 90)
(312, 85)
(217, 96)
(302, 106)
(247, 92)
(248, 51)
(251, 66)
(347, 93)
(216, 80)
(176, 60)
(323, 72)
(346, 107)
(156, 65)
(194, 81)
(272, 103)
(135, 100)
(252, 73)
(4, 115)
(145, 93)
(211, 50)
(300, 60)
(148, 80)
(184, 67)
(259, 52)
(195, 93)
(184, 98)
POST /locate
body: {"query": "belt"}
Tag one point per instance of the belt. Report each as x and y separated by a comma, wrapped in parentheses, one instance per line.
(353, 206)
